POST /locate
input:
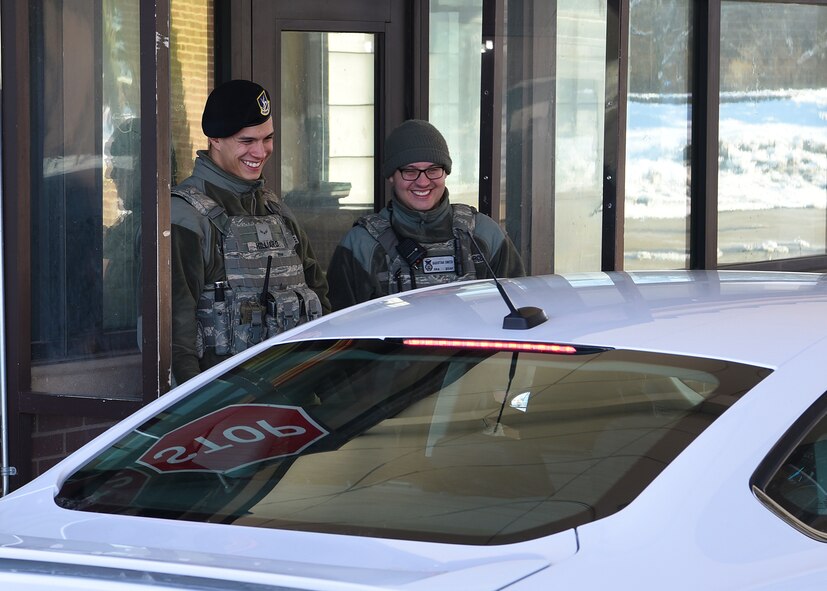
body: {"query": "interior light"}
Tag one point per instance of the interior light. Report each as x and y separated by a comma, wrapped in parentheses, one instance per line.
(492, 345)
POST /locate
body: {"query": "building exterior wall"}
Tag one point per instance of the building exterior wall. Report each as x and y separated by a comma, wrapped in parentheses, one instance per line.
(538, 98)
(56, 436)
(192, 68)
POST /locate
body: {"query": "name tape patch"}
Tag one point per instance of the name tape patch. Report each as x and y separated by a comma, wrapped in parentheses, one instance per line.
(443, 264)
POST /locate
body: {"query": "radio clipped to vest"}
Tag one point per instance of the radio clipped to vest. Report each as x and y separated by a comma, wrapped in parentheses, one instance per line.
(411, 264)
(411, 251)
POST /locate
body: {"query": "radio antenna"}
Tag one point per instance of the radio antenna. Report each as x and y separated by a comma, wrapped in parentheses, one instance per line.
(518, 318)
(266, 288)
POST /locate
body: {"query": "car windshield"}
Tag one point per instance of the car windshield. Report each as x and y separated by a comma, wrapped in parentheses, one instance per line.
(473, 442)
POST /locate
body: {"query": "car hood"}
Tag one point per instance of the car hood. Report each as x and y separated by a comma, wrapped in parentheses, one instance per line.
(290, 559)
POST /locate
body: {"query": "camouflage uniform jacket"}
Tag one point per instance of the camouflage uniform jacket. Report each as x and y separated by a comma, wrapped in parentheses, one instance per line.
(359, 264)
(197, 260)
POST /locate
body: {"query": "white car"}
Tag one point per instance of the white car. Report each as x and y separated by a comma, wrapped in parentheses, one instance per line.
(657, 430)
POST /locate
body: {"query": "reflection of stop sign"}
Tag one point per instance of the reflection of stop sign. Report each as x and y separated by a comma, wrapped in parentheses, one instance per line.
(233, 437)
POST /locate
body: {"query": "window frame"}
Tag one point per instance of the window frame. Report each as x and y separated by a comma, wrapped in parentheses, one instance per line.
(24, 404)
(778, 455)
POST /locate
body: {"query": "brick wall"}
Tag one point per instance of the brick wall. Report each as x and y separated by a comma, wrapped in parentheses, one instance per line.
(56, 436)
(191, 78)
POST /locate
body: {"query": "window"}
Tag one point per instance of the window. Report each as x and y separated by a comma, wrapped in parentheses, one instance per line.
(469, 442)
(86, 198)
(327, 118)
(772, 149)
(658, 135)
(551, 167)
(454, 90)
(797, 488)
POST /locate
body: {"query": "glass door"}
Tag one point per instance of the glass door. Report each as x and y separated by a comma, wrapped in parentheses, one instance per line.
(328, 115)
(337, 76)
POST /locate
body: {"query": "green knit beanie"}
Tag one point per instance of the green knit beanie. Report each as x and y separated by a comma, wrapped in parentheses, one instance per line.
(415, 140)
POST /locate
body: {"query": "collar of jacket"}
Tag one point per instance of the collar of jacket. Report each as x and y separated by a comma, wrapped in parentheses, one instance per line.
(206, 169)
(423, 226)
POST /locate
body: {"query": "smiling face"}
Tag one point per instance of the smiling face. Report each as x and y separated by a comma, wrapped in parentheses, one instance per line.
(244, 153)
(421, 194)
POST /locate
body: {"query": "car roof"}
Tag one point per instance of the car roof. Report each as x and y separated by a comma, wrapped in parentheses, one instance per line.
(756, 317)
(762, 318)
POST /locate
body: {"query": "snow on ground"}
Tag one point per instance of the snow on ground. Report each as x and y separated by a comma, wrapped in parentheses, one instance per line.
(773, 153)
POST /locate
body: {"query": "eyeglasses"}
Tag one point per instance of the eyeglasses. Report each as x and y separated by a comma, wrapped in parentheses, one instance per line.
(411, 174)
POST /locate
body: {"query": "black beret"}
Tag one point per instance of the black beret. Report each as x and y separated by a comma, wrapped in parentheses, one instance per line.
(415, 140)
(234, 105)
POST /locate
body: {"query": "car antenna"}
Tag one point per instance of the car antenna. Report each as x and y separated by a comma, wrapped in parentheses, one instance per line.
(497, 429)
(519, 318)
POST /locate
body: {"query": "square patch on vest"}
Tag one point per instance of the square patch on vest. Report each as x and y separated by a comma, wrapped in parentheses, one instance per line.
(445, 264)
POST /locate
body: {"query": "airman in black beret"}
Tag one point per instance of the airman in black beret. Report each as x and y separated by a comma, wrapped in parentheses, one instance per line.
(242, 267)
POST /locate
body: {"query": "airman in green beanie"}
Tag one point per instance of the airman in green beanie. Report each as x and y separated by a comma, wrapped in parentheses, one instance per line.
(419, 238)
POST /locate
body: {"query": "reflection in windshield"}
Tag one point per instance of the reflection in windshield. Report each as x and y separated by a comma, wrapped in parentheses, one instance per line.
(444, 443)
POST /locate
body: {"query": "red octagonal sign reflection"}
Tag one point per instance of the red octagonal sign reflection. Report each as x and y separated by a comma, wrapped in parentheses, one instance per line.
(233, 437)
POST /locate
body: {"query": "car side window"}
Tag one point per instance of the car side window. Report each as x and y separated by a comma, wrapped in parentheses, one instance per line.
(798, 484)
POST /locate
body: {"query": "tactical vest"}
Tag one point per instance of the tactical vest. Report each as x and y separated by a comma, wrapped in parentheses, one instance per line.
(444, 262)
(250, 306)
